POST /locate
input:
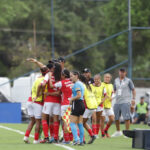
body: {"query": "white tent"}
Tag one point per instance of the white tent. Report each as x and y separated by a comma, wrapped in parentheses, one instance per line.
(22, 87)
(6, 88)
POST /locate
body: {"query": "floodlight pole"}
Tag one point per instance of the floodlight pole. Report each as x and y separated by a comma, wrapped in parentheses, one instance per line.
(129, 41)
(52, 30)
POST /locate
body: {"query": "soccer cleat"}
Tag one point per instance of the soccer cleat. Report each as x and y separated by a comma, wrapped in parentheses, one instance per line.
(103, 136)
(92, 139)
(64, 142)
(117, 134)
(61, 140)
(55, 141)
(107, 135)
(26, 140)
(81, 144)
(51, 140)
(76, 143)
(46, 140)
(36, 141)
(97, 137)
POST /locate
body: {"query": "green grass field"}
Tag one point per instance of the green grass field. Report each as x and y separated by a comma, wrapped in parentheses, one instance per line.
(14, 141)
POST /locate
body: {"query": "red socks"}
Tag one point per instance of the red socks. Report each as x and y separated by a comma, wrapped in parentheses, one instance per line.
(71, 136)
(102, 131)
(66, 137)
(45, 128)
(97, 129)
(36, 136)
(107, 127)
(90, 132)
(94, 128)
(27, 133)
(51, 127)
(56, 130)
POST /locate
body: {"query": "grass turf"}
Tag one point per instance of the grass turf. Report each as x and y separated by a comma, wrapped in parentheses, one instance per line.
(13, 141)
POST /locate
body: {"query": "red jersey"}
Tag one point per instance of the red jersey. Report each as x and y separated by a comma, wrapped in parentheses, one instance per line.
(66, 88)
(52, 99)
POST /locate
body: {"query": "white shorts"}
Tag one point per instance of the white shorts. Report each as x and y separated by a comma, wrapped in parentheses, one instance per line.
(88, 113)
(51, 108)
(108, 112)
(30, 109)
(34, 110)
(63, 109)
(99, 108)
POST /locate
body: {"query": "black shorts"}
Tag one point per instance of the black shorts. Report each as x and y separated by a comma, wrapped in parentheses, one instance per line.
(78, 108)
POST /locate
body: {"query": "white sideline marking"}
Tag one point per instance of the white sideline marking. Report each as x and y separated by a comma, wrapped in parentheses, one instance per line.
(22, 133)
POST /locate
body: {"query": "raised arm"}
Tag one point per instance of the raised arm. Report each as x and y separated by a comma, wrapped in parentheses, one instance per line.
(39, 64)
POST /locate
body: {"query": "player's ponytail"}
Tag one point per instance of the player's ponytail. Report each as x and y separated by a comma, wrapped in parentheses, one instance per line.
(85, 81)
(57, 72)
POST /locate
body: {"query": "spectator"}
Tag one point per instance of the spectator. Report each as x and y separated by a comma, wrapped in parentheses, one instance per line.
(133, 113)
(142, 111)
(87, 74)
(125, 92)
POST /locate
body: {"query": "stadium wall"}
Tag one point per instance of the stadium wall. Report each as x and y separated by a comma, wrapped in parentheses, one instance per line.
(10, 113)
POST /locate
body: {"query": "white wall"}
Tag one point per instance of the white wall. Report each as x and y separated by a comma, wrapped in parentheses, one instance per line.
(5, 89)
(21, 89)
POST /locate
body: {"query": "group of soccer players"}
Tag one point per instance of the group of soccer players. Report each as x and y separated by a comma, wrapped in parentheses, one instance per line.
(60, 98)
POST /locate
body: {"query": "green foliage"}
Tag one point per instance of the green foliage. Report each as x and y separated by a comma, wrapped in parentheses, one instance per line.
(77, 25)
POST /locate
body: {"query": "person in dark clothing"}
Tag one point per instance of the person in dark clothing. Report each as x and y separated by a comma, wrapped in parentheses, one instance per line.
(87, 74)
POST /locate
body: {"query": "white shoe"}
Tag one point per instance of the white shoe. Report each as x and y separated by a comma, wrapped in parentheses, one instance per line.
(97, 137)
(117, 134)
(26, 139)
(36, 141)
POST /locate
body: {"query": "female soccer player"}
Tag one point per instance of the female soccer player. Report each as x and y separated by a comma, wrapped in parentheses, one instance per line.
(99, 91)
(34, 107)
(32, 120)
(65, 85)
(38, 104)
(108, 111)
(51, 103)
(91, 106)
(78, 108)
